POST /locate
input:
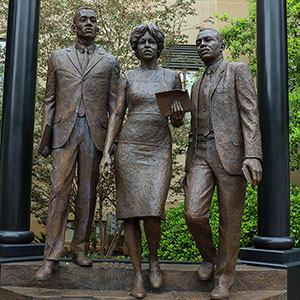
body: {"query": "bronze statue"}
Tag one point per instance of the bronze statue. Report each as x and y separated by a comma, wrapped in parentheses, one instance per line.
(225, 137)
(81, 90)
(143, 156)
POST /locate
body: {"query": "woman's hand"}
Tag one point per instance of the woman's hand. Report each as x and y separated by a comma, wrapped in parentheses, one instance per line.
(105, 166)
(177, 116)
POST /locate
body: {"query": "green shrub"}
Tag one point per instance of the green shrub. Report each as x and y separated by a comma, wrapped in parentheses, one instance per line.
(177, 243)
(295, 214)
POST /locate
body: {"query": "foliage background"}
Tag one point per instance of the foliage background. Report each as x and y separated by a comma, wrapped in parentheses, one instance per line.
(240, 38)
(177, 242)
(116, 20)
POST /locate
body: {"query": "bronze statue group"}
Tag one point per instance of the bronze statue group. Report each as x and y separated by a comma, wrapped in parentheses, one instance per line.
(85, 104)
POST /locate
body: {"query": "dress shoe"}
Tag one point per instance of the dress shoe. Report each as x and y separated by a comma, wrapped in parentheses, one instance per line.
(156, 277)
(80, 259)
(220, 292)
(138, 291)
(47, 269)
(206, 270)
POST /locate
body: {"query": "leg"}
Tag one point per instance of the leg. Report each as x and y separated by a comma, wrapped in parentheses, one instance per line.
(231, 196)
(198, 195)
(153, 232)
(64, 162)
(132, 234)
(88, 175)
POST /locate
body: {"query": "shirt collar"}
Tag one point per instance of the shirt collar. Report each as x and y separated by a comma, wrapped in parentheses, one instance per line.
(90, 49)
(213, 67)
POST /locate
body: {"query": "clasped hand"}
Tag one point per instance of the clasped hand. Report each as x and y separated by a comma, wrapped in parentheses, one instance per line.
(177, 112)
(105, 167)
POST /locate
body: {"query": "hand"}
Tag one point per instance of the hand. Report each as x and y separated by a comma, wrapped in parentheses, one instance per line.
(45, 151)
(105, 166)
(177, 112)
(254, 167)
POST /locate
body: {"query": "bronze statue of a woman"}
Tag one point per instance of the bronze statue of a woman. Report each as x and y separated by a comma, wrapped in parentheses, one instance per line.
(143, 156)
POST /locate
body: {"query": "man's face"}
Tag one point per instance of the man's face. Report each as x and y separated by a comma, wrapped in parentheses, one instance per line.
(209, 46)
(85, 24)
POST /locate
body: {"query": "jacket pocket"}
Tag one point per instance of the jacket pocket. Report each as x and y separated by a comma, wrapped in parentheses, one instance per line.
(237, 143)
(103, 124)
(57, 119)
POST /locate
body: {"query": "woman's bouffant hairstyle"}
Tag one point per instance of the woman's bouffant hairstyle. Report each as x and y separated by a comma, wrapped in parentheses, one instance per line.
(140, 30)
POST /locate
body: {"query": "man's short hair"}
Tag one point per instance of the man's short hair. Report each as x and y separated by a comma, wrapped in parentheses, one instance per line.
(78, 11)
(218, 34)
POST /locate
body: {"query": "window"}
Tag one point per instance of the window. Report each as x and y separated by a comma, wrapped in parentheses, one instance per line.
(185, 60)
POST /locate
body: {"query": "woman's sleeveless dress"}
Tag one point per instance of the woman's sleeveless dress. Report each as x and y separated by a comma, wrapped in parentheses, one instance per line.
(143, 162)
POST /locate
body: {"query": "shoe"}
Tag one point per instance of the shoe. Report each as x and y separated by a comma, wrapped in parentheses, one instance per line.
(156, 277)
(47, 269)
(80, 259)
(138, 291)
(206, 270)
(220, 292)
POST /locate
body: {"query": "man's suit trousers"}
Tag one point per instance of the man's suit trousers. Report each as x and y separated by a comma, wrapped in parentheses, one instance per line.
(205, 173)
(78, 151)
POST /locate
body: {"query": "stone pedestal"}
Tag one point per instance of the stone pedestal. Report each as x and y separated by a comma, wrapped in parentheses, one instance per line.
(288, 260)
(112, 280)
(21, 252)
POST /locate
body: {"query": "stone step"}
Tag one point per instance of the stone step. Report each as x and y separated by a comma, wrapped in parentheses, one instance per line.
(29, 293)
(118, 276)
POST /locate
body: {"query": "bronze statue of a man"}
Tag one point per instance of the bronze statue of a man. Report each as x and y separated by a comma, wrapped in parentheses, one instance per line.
(225, 138)
(80, 93)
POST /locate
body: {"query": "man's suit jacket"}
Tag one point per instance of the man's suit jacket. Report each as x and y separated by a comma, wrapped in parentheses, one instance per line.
(234, 116)
(67, 85)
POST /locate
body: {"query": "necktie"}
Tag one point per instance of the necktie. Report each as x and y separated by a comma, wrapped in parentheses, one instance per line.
(204, 103)
(84, 63)
(85, 59)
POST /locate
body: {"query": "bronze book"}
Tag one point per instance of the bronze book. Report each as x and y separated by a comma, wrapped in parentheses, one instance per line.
(46, 139)
(165, 99)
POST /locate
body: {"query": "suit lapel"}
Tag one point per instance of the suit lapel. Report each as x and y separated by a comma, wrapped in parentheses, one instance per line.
(97, 56)
(195, 98)
(217, 77)
(196, 92)
(71, 52)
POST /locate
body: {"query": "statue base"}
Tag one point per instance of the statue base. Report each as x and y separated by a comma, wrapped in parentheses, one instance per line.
(21, 252)
(288, 260)
(109, 280)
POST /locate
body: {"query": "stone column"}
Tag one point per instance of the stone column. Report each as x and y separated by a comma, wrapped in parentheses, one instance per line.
(272, 84)
(18, 121)
(273, 244)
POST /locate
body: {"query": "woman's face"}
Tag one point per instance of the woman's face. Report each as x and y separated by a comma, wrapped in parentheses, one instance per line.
(147, 47)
